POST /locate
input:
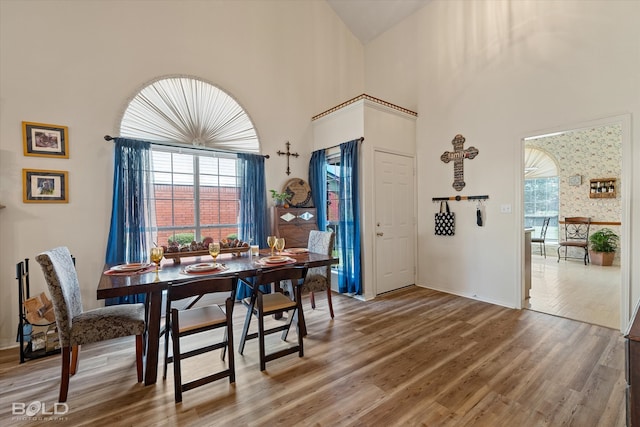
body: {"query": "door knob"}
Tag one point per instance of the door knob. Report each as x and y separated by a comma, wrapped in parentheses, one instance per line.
(379, 234)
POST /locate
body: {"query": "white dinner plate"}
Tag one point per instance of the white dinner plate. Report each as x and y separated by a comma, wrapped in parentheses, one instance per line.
(134, 266)
(276, 259)
(205, 266)
(297, 250)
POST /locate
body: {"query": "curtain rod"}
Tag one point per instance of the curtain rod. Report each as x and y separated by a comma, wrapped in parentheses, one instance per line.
(165, 144)
(337, 145)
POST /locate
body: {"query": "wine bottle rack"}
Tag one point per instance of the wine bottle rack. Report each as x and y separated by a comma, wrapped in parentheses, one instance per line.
(603, 188)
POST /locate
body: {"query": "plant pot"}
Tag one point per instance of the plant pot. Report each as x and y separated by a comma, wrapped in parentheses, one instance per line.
(601, 258)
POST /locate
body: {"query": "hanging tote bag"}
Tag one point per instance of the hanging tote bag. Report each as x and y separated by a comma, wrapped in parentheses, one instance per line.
(445, 221)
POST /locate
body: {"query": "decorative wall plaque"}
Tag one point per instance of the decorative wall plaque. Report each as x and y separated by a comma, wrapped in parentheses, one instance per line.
(299, 193)
(458, 155)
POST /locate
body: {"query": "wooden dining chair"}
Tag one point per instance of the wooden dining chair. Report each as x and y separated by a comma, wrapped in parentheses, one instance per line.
(261, 304)
(194, 320)
(576, 235)
(76, 326)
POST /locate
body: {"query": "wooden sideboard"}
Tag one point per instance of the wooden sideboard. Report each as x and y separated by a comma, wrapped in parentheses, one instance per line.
(294, 224)
(632, 370)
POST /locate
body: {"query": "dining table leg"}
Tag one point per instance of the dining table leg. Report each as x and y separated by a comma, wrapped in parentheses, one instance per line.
(153, 338)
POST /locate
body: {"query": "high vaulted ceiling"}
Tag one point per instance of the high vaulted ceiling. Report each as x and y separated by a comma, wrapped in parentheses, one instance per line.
(367, 19)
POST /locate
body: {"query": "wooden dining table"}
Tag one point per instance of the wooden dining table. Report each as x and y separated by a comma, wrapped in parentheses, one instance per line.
(153, 284)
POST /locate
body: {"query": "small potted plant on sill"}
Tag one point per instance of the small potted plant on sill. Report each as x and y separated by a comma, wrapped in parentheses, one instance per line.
(602, 250)
(280, 199)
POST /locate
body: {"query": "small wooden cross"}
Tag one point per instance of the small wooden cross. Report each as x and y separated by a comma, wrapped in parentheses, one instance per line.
(288, 154)
(458, 155)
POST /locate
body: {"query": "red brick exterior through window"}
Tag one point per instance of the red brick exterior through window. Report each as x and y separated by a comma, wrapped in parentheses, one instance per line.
(175, 209)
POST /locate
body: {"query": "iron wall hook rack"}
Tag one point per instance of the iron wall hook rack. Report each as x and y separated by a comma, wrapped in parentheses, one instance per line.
(458, 198)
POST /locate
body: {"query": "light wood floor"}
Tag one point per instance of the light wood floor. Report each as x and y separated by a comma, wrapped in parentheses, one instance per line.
(588, 293)
(411, 357)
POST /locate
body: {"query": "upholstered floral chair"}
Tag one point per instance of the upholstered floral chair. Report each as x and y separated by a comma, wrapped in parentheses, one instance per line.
(76, 326)
(319, 278)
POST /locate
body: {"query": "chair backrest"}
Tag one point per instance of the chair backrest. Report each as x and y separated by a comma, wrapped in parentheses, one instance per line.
(202, 286)
(321, 242)
(265, 277)
(576, 228)
(545, 225)
(62, 281)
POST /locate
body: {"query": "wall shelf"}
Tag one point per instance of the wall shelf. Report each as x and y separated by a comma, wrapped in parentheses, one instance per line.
(602, 188)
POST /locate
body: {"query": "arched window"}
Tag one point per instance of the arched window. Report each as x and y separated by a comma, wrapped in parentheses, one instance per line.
(186, 110)
(538, 164)
(197, 130)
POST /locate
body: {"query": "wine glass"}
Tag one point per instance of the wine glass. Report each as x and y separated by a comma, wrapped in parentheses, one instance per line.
(280, 244)
(156, 256)
(271, 241)
(214, 250)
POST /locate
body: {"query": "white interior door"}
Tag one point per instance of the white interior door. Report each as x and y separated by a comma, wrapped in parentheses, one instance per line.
(395, 241)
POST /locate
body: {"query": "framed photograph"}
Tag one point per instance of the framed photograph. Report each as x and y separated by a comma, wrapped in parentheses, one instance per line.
(575, 180)
(45, 186)
(44, 140)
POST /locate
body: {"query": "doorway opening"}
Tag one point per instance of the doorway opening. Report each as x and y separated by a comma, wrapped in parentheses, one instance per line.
(568, 288)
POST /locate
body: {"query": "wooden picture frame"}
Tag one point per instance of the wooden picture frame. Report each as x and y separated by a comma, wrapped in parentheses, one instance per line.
(45, 186)
(44, 140)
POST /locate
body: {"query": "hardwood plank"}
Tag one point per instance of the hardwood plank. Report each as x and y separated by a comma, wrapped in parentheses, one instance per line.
(411, 357)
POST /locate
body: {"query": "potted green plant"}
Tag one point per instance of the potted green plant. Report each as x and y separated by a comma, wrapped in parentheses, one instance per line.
(280, 199)
(604, 243)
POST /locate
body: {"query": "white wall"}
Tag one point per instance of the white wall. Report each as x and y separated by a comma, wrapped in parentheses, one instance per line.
(496, 71)
(77, 63)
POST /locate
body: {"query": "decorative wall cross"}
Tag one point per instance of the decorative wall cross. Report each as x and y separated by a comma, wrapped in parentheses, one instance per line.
(458, 155)
(288, 154)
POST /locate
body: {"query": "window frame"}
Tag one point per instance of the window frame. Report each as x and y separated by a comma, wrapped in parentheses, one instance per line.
(198, 228)
(333, 168)
(536, 218)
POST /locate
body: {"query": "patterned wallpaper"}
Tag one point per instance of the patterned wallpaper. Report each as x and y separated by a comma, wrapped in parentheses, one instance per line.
(591, 153)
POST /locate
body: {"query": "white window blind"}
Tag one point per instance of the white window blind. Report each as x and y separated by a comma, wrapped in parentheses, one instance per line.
(186, 110)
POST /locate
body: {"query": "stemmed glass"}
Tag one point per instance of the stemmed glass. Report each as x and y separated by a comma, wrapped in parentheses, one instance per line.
(271, 241)
(280, 245)
(214, 250)
(156, 256)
